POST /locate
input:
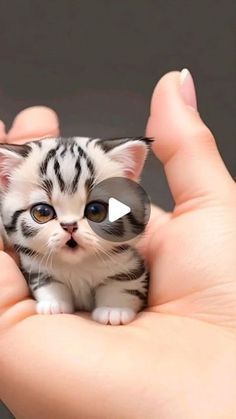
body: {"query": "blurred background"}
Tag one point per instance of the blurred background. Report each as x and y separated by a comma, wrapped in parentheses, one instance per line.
(96, 63)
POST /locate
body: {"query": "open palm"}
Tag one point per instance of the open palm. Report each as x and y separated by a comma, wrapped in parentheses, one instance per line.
(178, 358)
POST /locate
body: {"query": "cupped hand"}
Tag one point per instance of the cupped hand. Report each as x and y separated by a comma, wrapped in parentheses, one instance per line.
(178, 358)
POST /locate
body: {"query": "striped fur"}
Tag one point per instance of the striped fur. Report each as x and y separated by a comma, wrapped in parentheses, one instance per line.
(111, 281)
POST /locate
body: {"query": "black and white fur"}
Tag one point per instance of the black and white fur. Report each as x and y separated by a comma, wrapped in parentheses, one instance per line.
(108, 279)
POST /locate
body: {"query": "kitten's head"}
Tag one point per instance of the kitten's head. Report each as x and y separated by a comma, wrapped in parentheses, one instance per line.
(45, 188)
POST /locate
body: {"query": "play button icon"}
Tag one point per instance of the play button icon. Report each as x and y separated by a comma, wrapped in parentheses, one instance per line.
(116, 209)
(121, 208)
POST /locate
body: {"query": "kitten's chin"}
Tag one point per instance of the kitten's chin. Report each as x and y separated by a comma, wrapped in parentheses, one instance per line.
(71, 255)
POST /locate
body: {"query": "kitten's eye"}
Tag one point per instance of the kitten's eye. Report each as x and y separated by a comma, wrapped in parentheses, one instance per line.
(96, 211)
(42, 213)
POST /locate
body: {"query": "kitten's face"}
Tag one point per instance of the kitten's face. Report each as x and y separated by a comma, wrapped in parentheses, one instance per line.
(46, 186)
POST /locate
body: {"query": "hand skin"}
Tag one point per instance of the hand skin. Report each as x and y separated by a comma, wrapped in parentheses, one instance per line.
(177, 360)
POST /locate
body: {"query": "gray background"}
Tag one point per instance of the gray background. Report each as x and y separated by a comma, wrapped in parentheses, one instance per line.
(97, 62)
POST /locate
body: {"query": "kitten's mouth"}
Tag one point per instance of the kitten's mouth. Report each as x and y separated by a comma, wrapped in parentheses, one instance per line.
(72, 244)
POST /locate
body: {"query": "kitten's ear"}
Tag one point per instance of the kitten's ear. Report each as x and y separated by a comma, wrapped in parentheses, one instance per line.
(10, 157)
(131, 152)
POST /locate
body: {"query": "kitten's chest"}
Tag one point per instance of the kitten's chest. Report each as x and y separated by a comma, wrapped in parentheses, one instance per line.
(82, 282)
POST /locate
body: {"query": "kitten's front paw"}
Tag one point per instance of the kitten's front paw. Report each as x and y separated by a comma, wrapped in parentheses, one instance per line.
(113, 315)
(54, 307)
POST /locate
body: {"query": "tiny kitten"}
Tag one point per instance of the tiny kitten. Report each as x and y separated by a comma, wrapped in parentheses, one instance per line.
(44, 189)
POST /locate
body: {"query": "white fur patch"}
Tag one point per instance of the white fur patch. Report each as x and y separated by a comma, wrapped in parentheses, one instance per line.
(113, 315)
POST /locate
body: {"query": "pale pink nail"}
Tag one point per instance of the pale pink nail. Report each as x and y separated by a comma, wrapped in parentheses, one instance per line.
(187, 89)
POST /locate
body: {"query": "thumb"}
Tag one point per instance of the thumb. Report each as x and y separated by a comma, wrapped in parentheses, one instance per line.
(184, 144)
(14, 302)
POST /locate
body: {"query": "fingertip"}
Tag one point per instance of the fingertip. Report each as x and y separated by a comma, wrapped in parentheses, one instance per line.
(183, 143)
(167, 80)
(33, 123)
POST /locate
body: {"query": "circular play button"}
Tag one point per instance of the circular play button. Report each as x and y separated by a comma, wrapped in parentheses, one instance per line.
(118, 209)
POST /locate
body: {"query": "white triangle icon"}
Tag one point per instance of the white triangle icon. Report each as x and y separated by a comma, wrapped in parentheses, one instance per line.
(116, 209)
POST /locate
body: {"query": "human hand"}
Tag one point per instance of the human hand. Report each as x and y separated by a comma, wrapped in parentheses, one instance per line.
(177, 359)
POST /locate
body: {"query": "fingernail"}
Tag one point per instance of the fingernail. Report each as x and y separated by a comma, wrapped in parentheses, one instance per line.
(187, 89)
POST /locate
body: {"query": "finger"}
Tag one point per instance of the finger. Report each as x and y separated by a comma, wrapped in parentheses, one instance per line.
(2, 132)
(33, 123)
(183, 143)
(12, 284)
(158, 218)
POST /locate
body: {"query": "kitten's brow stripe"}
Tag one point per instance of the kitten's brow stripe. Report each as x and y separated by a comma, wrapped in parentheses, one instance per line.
(63, 152)
(47, 185)
(90, 165)
(87, 159)
(44, 164)
(59, 176)
(77, 175)
(72, 149)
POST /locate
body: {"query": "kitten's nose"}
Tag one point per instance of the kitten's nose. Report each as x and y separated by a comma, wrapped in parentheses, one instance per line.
(70, 227)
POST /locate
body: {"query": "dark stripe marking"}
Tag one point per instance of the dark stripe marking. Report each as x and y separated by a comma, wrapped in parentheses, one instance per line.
(25, 250)
(37, 280)
(137, 227)
(87, 159)
(28, 231)
(44, 164)
(59, 176)
(116, 228)
(11, 228)
(77, 175)
(72, 149)
(89, 184)
(47, 185)
(138, 294)
(63, 152)
(131, 275)
(90, 165)
(120, 249)
(145, 281)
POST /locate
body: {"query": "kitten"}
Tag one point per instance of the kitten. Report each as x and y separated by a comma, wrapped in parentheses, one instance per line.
(44, 190)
